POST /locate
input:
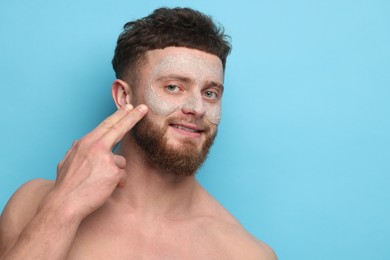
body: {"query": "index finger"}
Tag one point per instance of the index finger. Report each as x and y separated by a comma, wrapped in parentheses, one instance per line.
(121, 127)
(107, 123)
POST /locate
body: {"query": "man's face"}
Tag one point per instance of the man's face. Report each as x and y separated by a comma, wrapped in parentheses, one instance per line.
(183, 89)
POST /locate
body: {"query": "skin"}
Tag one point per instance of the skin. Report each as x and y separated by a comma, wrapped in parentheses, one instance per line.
(107, 206)
(200, 71)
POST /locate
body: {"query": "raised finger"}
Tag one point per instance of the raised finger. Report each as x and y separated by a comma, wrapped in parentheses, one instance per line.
(118, 130)
(107, 123)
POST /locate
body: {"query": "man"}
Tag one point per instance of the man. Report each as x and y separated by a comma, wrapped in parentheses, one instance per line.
(143, 201)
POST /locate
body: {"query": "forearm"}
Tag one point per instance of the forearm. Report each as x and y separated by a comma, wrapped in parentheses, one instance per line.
(49, 235)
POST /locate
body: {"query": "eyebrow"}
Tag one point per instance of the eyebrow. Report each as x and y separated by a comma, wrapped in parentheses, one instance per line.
(215, 84)
(190, 80)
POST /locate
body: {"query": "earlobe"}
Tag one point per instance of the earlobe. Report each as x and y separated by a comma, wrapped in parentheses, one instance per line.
(121, 93)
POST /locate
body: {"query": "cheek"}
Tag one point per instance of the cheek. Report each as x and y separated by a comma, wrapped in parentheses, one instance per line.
(213, 114)
(158, 104)
(164, 106)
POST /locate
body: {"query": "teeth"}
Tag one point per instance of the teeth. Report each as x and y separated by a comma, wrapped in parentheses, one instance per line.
(186, 129)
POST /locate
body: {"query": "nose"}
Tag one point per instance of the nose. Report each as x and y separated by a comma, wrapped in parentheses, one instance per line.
(194, 105)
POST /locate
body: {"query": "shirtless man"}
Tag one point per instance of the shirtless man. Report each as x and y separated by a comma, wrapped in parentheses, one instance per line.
(141, 201)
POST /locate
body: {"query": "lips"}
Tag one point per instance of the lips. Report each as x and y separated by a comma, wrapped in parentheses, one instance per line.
(188, 128)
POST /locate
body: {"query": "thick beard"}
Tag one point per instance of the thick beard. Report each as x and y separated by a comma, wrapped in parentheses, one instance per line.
(183, 161)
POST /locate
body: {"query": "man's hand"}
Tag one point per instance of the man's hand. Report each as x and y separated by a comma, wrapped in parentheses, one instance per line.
(90, 172)
(86, 178)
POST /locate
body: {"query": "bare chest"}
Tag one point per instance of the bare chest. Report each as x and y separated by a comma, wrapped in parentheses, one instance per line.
(110, 240)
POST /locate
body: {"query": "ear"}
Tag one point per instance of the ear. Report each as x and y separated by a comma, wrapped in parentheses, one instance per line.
(121, 93)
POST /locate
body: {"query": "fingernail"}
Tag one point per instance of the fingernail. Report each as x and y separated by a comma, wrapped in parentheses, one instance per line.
(142, 108)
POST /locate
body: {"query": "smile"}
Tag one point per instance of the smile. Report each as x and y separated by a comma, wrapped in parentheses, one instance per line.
(188, 129)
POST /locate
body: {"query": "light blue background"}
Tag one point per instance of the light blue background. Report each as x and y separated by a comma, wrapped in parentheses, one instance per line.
(303, 153)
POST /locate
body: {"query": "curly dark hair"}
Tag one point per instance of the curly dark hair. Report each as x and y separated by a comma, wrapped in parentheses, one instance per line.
(180, 27)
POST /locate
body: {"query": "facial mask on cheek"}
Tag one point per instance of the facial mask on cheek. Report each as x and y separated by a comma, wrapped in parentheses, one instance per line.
(164, 105)
(214, 114)
(157, 103)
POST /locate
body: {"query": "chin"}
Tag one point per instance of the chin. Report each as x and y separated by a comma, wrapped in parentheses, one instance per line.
(172, 151)
(184, 143)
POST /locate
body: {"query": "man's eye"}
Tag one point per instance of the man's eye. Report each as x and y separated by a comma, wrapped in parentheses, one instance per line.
(172, 88)
(211, 95)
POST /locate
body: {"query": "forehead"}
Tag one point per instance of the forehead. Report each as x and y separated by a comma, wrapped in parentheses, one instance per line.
(185, 62)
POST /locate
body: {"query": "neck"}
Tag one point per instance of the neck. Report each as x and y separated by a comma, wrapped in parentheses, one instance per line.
(149, 190)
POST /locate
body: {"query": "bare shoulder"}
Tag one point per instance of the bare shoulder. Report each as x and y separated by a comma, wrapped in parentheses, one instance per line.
(232, 237)
(20, 209)
(239, 242)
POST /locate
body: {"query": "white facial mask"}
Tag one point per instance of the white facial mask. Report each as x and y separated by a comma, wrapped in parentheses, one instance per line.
(188, 66)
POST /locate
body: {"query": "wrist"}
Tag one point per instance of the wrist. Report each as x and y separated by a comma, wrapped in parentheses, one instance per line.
(56, 208)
